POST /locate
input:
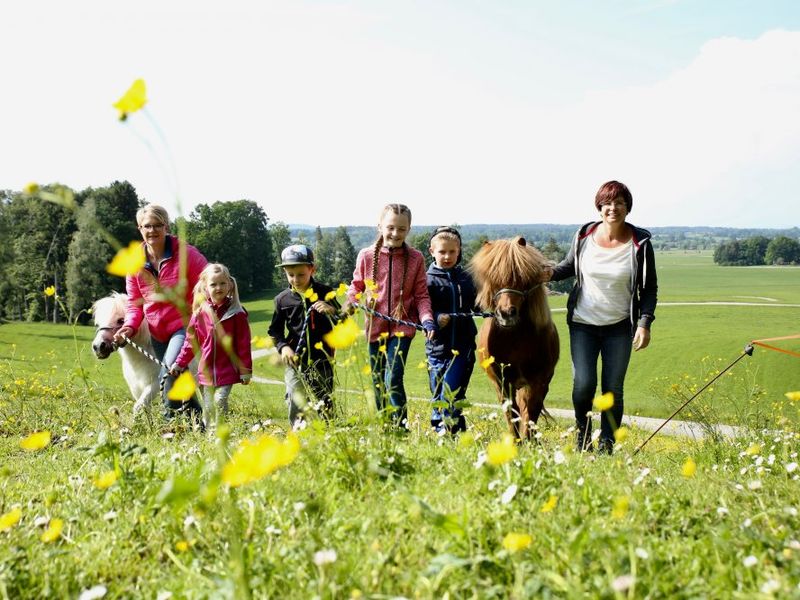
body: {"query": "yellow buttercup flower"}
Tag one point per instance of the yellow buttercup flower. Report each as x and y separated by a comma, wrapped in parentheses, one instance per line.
(794, 396)
(134, 99)
(370, 285)
(182, 546)
(31, 188)
(342, 289)
(36, 441)
(106, 480)
(53, 531)
(551, 503)
(254, 460)
(183, 388)
(127, 261)
(621, 434)
(318, 345)
(311, 295)
(422, 364)
(621, 504)
(689, 468)
(11, 518)
(382, 348)
(50, 290)
(366, 370)
(753, 450)
(262, 342)
(514, 542)
(486, 362)
(604, 402)
(455, 352)
(499, 453)
(330, 296)
(343, 335)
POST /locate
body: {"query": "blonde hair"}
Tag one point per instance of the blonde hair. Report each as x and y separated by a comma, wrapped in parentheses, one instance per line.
(199, 293)
(398, 209)
(154, 210)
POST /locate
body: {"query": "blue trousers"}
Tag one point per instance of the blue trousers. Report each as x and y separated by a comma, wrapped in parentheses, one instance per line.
(167, 352)
(449, 379)
(612, 344)
(388, 369)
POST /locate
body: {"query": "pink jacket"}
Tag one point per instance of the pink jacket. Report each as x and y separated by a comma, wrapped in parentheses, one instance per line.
(163, 317)
(389, 279)
(218, 366)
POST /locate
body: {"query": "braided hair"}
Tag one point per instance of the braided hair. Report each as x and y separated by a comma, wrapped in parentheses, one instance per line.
(398, 209)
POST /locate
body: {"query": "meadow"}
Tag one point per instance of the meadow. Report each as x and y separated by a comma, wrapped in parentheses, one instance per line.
(116, 509)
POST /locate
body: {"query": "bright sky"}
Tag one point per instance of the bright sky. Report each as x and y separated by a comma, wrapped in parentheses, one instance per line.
(509, 111)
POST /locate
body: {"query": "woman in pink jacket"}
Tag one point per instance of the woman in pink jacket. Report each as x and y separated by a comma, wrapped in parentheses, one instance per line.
(390, 278)
(162, 293)
(220, 331)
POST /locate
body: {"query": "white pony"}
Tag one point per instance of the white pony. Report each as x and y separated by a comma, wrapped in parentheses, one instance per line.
(140, 373)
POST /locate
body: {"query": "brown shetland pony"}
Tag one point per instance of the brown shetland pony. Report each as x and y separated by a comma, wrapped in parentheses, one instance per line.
(520, 336)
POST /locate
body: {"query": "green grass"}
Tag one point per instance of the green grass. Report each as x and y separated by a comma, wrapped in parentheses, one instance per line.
(414, 515)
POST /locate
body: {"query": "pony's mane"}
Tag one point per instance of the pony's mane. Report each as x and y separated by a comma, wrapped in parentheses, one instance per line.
(510, 263)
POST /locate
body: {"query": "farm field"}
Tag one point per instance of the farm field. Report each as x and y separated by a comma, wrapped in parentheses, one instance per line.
(131, 510)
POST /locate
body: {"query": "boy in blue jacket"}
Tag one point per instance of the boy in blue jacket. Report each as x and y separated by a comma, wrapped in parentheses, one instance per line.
(451, 352)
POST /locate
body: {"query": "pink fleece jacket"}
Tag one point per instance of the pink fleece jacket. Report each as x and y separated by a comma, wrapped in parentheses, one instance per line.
(163, 317)
(389, 280)
(218, 365)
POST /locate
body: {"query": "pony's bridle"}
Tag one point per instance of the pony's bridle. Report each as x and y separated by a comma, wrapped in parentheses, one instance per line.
(112, 328)
(515, 292)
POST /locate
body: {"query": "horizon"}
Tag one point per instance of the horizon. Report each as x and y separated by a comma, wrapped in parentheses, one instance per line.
(494, 112)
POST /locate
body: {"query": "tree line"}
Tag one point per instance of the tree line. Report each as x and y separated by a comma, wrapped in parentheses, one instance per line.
(758, 250)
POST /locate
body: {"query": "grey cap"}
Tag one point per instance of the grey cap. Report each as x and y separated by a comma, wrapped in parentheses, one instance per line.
(296, 254)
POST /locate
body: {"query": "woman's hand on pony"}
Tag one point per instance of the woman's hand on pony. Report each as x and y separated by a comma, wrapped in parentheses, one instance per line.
(124, 332)
(176, 370)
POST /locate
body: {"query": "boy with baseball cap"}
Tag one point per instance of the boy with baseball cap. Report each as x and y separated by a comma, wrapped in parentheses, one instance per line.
(300, 321)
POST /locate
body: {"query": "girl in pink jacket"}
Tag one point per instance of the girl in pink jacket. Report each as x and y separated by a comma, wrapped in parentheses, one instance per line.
(220, 332)
(390, 278)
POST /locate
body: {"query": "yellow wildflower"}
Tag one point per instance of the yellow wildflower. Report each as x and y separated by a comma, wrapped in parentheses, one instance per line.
(689, 468)
(366, 370)
(50, 290)
(399, 334)
(311, 295)
(330, 296)
(753, 450)
(514, 542)
(551, 503)
(370, 285)
(183, 388)
(382, 348)
(621, 434)
(254, 460)
(182, 546)
(127, 261)
(318, 345)
(8, 520)
(31, 188)
(604, 402)
(35, 441)
(422, 364)
(106, 480)
(455, 352)
(134, 99)
(621, 504)
(53, 531)
(262, 342)
(486, 362)
(499, 453)
(793, 396)
(343, 335)
(342, 289)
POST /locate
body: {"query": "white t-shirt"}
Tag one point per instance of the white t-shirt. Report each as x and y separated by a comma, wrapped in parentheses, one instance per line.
(606, 279)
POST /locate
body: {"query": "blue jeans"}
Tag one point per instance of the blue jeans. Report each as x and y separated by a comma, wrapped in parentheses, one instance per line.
(613, 344)
(167, 352)
(449, 379)
(388, 369)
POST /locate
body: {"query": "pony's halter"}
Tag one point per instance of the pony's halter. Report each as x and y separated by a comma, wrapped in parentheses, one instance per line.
(522, 293)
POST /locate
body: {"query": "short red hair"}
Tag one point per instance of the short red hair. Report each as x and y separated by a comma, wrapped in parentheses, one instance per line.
(611, 190)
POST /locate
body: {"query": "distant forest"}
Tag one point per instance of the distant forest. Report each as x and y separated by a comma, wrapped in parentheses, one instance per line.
(664, 238)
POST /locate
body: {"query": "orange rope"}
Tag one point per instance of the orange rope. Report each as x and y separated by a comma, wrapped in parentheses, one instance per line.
(786, 337)
(797, 354)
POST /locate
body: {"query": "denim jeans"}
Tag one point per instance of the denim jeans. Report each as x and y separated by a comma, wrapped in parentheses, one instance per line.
(612, 344)
(215, 404)
(167, 352)
(388, 369)
(449, 379)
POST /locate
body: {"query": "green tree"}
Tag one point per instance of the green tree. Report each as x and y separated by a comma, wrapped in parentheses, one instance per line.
(556, 253)
(344, 258)
(782, 250)
(112, 208)
(41, 232)
(235, 234)
(754, 249)
(323, 255)
(281, 237)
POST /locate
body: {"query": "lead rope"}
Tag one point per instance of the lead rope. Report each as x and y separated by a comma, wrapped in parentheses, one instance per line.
(417, 326)
(163, 380)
